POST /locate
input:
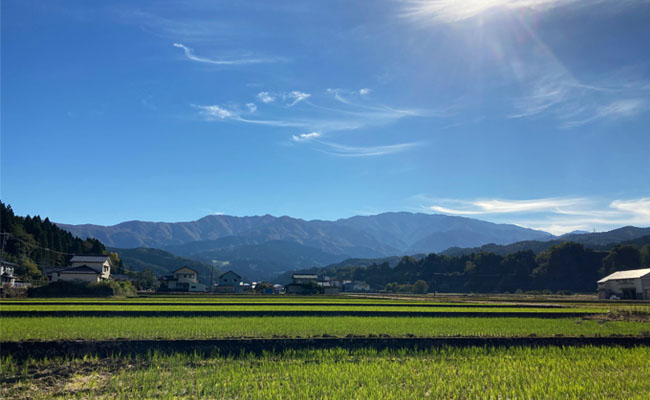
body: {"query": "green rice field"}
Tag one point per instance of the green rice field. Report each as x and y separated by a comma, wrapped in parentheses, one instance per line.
(97, 328)
(524, 371)
(446, 373)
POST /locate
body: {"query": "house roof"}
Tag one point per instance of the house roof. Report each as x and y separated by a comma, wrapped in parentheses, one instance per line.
(629, 274)
(89, 258)
(304, 276)
(82, 269)
(230, 272)
(51, 270)
(187, 268)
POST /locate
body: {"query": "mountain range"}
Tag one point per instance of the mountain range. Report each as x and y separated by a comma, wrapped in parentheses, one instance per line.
(261, 247)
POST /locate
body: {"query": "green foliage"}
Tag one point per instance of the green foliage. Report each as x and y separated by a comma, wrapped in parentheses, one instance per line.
(566, 266)
(645, 256)
(420, 286)
(621, 257)
(80, 289)
(32, 242)
(145, 280)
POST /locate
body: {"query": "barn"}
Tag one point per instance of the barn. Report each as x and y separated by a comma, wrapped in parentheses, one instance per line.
(632, 284)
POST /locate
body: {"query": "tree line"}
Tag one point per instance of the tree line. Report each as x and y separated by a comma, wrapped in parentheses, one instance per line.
(567, 266)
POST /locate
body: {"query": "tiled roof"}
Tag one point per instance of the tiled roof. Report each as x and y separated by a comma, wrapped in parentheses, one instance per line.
(629, 274)
(82, 269)
(230, 272)
(89, 258)
(304, 276)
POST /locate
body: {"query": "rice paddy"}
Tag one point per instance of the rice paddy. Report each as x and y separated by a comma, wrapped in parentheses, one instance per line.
(447, 373)
(524, 370)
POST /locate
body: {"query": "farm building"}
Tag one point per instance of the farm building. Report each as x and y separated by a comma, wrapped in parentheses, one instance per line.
(633, 284)
(230, 282)
(183, 280)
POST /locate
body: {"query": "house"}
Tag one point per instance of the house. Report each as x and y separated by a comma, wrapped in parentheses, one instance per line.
(230, 282)
(632, 284)
(302, 279)
(52, 273)
(182, 280)
(83, 268)
(355, 286)
(100, 263)
(302, 283)
(7, 276)
(82, 273)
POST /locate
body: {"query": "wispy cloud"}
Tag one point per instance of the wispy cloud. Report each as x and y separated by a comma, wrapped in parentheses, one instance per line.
(574, 104)
(215, 112)
(251, 107)
(495, 206)
(315, 117)
(305, 136)
(297, 96)
(621, 108)
(364, 91)
(265, 97)
(557, 215)
(367, 151)
(189, 53)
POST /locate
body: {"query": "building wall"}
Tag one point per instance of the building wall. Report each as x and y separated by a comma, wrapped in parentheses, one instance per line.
(79, 277)
(229, 279)
(186, 277)
(104, 268)
(618, 286)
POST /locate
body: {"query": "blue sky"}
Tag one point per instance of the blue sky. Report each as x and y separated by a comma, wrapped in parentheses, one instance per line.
(534, 112)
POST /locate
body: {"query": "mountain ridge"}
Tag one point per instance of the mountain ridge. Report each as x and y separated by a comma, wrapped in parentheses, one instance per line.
(285, 243)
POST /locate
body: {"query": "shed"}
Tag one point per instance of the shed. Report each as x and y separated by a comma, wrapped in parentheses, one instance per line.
(632, 284)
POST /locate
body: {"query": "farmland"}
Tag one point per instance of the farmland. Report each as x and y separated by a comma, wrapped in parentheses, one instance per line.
(448, 373)
(216, 346)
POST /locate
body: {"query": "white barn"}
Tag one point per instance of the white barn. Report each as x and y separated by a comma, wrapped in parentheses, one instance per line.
(633, 284)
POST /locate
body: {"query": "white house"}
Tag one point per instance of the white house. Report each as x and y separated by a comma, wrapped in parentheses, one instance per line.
(100, 263)
(7, 276)
(230, 282)
(632, 284)
(183, 280)
(84, 268)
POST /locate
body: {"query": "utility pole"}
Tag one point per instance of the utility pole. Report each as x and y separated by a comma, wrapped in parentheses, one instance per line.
(212, 276)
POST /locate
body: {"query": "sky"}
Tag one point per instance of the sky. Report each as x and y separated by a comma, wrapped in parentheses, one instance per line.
(532, 112)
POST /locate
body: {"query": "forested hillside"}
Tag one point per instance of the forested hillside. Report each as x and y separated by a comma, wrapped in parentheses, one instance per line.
(33, 241)
(565, 266)
(161, 262)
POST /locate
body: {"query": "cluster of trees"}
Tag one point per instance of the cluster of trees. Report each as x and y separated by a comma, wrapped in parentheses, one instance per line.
(32, 241)
(567, 266)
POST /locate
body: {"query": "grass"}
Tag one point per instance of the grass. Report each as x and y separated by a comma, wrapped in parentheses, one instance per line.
(97, 328)
(298, 307)
(447, 373)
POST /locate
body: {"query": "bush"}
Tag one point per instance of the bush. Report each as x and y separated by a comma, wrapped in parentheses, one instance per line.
(81, 289)
(421, 287)
(564, 292)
